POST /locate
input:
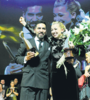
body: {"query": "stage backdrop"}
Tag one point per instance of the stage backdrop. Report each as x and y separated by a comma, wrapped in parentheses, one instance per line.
(10, 12)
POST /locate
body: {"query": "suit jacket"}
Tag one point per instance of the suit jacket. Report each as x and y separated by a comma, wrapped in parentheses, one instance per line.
(77, 68)
(35, 72)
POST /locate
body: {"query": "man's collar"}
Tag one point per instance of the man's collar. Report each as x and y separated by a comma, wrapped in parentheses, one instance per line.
(37, 39)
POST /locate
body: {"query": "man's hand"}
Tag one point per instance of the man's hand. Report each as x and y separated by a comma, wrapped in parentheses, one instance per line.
(50, 91)
(29, 55)
(71, 45)
(22, 21)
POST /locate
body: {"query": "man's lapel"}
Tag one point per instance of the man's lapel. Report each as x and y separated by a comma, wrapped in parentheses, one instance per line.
(33, 43)
(43, 50)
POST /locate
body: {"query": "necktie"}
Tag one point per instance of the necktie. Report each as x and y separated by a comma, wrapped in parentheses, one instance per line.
(40, 46)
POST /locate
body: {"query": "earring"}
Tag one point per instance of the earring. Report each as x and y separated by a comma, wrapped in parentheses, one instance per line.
(61, 32)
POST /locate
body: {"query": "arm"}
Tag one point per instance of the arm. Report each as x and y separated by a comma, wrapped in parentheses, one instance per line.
(81, 81)
(83, 77)
(77, 50)
(8, 93)
(3, 93)
(23, 55)
(15, 92)
(77, 66)
(19, 57)
(30, 29)
(22, 21)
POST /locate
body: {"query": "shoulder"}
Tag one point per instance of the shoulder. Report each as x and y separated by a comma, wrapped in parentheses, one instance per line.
(16, 88)
(47, 43)
(8, 89)
(51, 40)
(30, 39)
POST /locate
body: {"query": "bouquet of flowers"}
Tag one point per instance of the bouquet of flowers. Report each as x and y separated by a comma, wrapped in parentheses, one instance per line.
(80, 35)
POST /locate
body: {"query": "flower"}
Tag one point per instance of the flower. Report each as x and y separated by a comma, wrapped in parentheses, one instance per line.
(87, 17)
(81, 27)
(83, 21)
(80, 35)
(67, 33)
(76, 30)
(86, 38)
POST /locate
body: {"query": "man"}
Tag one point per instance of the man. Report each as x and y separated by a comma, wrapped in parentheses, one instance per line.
(35, 80)
(68, 12)
(4, 86)
(16, 83)
(17, 86)
(32, 14)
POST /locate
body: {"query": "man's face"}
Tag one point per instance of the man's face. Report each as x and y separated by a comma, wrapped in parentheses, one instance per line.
(15, 81)
(33, 14)
(40, 30)
(3, 81)
(62, 14)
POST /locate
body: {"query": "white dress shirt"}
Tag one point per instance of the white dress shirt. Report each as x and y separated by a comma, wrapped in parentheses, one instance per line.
(37, 42)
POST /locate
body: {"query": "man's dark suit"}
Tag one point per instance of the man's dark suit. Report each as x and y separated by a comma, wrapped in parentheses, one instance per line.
(35, 72)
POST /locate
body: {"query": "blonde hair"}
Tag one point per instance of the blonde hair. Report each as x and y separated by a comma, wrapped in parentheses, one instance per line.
(87, 54)
(62, 26)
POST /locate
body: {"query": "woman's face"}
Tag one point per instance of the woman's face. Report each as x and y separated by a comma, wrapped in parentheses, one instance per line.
(12, 84)
(56, 31)
(87, 58)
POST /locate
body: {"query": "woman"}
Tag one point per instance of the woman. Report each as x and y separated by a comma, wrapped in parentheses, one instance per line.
(12, 92)
(63, 81)
(86, 74)
(2, 92)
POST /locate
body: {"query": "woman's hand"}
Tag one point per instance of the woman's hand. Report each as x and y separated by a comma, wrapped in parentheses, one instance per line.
(8, 94)
(13, 90)
(87, 73)
(71, 45)
(22, 21)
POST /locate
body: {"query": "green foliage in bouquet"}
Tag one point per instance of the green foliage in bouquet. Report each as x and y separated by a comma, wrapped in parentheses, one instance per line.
(80, 35)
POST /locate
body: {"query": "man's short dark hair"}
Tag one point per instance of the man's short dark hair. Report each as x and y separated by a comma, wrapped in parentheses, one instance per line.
(72, 5)
(41, 21)
(32, 3)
